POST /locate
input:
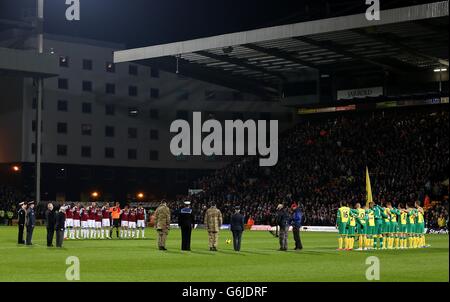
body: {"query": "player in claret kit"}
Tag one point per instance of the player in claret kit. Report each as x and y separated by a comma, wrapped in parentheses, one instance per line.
(124, 222)
(141, 218)
(77, 220)
(84, 223)
(91, 221)
(106, 221)
(132, 219)
(98, 222)
(68, 233)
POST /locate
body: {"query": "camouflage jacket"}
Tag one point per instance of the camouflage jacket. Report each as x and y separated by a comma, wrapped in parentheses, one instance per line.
(162, 217)
(213, 219)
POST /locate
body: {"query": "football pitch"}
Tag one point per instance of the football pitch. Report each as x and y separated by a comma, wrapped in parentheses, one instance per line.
(139, 260)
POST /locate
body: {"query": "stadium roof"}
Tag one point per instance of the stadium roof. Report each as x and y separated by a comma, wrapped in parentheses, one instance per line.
(405, 40)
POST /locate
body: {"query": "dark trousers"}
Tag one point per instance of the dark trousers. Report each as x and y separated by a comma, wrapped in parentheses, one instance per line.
(20, 237)
(59, 237)
(50, 233)
(115, 225)
(186, 238)
(237, 239)
(30, 230)
(298, 241)
(283, 236)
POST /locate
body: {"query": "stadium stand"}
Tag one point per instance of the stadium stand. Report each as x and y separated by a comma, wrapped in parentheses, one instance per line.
(322, 161)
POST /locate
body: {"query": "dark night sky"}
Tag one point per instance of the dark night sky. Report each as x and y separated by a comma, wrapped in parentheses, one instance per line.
(147, 22)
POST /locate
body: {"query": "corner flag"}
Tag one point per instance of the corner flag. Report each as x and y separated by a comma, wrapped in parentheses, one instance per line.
(368, 188)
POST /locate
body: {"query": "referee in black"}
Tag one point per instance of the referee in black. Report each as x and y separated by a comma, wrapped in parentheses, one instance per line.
(186, 223)
(21, 221)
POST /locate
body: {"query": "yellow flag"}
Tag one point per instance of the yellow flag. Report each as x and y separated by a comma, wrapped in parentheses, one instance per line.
(368, 188)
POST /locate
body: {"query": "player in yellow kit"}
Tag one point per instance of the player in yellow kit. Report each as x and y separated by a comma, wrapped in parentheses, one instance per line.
(371, 231)
(362, 226)
(420, 225)
(403, 227)
(342, 219)
(394, 241)
(351, 229)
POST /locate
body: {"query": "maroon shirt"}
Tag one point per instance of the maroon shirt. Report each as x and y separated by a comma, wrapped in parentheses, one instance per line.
(76, 214)
(125, 216)
(98, 216)
(92, 213)
(140, 214)
(132, 217)
(69, 213)
(85, 216)
(105, 213)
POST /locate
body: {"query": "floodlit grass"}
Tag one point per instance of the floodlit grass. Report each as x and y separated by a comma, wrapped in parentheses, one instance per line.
(140, 260)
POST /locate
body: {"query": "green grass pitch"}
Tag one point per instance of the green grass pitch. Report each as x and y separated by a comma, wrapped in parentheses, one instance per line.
(139, 260)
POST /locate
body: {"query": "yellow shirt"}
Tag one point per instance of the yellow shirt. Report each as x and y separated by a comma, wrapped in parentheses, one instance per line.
(441, 222)
(362, 216)
(344, 213)
(393, 217)
(387, 214)
(352, 221)
(412, 219)
(419, 217)
(371, 215)
(403, 217)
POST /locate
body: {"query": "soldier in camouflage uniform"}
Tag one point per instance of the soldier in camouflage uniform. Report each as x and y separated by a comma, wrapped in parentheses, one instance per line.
(213, 221)
(162, 224)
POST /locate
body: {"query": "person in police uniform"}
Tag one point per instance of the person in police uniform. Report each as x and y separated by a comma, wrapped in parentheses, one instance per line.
(213, 222)
(186, 223)
(162, 224)
(30, 222)
(21, 214)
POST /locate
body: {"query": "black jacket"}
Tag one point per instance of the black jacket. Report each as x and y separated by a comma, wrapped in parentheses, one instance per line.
(60, 221)
(21, 215)
(50, 219)
(185, 218)
(30, 218)
(237, 222)
(283, 218)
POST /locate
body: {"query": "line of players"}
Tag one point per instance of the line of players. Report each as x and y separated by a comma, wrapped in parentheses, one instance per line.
(378, 227)
(98, 222)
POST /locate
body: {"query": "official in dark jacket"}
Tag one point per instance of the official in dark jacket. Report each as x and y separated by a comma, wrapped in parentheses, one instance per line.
(283, 220)
(296, 222)
(186, 224)
(237, 228)
(50, 221)
(30, 222)
(60, 221)
(21, 214)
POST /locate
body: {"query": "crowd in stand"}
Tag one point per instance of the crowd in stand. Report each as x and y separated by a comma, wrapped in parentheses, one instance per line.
(436, 216)
(322, 162)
